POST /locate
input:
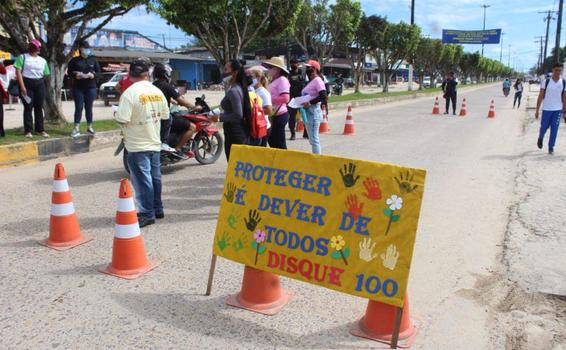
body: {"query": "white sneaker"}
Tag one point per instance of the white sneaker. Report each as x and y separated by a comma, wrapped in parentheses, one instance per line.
(75, 133)
(165, 147)
(90, 131)
(29, 135)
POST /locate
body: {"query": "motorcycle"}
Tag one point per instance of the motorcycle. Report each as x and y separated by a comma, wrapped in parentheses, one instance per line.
(506, 91)
(337, 89)
(205, 146)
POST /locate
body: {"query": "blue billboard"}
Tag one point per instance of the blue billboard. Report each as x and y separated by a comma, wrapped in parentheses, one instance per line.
(488, 36)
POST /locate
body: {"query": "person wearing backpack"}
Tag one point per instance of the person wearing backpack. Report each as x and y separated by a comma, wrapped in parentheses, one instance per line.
(259, 84)
(552, 99)
(316, 90)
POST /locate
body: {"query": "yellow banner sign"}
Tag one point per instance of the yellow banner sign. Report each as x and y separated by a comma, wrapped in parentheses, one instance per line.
(5, 55)
(348, 225)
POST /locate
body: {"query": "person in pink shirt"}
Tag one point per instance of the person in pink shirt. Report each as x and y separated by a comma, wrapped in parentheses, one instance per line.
(279, 89)
(317, 92)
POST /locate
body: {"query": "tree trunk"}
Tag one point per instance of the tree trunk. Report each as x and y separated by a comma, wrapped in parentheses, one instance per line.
(53, 107)
(385, 81)
(421, 80)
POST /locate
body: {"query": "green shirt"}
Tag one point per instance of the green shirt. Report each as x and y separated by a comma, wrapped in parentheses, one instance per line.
(32, 67)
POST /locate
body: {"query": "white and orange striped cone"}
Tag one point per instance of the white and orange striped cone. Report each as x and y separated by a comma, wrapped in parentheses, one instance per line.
(323, 128)
(463, 110)
(64, 229)
(491, 113)
(129, 260)
(436, 108)
(349, 128)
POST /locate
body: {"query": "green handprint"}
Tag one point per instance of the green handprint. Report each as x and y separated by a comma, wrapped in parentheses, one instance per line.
(230, 191)
(224, 241)
(232, 220)
(240, 243)
(404, 182)
(348, 175)
(254, 220)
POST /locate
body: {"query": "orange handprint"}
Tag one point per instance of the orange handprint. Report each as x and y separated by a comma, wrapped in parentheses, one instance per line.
(354, 207)
(373, 192)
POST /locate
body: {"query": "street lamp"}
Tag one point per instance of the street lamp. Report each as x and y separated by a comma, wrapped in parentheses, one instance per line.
(410, 79)
(501, 51)
(484, 10)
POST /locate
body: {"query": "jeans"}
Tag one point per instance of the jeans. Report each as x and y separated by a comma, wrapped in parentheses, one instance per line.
(277, 137)
(451, 97)
(314, 118)
(518, 96)
(36, 91)
(2, 114)
(550, 119)
(145, 173)
(84, 97)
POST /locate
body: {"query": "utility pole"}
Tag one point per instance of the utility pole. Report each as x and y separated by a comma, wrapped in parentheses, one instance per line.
(558, 28)
(548, 18)
(163, 36)
(501, 51)
(484, 9)
(410, 78)
(540, 40)
(509, 57)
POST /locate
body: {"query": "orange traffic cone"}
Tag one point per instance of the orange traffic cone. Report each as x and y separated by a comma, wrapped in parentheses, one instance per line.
(129, 260)
(349, 128)
(261, 292)
(300, 126)
(463, 109)
(379, 321)
(324, 123)
(491, 113)
(64, 230)
(436, 108)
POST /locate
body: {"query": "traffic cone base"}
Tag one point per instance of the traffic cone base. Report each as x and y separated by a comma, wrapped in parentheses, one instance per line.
(129, 274)
(65, 245)
(261, 292)
(436, 107)
(379, 322)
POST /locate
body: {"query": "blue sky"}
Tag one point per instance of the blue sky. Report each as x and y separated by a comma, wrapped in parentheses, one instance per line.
(517, 18)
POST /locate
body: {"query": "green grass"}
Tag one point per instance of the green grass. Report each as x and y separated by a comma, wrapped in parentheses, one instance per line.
(362, 96)
(55, 131)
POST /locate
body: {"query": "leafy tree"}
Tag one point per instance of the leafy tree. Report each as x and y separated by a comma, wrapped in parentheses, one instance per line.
(368, 37)
(469, 64)
(226, 27)
(20, 21)
(426, 57)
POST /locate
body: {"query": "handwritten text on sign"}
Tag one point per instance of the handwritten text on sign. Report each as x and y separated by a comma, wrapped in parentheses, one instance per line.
(344, 224)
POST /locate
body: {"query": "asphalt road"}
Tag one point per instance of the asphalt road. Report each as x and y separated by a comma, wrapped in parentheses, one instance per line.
(53, 299)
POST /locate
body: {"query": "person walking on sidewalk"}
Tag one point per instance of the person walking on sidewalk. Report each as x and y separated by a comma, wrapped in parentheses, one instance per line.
(316, 90)
(140, 111)
(552, 99)
(518, 92)
(3, 95)
(279, 90)
(297, 82)
(31, 70)
(82, 70)
(449, 88)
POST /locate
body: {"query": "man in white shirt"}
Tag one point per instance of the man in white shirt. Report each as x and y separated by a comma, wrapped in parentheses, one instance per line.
(552, 99)
(141, 109)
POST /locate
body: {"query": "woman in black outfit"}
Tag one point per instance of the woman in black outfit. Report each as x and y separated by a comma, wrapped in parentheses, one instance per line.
(236, 106)
(449, 88)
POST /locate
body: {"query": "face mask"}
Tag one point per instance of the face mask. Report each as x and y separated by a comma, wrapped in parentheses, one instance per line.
(86, 52)
(254, 82)
(227, 77)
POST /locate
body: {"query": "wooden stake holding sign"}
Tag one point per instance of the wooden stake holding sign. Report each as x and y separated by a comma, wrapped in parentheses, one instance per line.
(344, 224)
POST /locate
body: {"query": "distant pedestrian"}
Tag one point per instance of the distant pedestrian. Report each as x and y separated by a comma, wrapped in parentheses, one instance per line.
(450, 94)
(552, 99)
(82, 70)
(140, 111)
(236, 107)
(297, 82)
(31, 71)
(259, 83)
(518, 86)
(3, 95)
(316, 90)
(280, 95)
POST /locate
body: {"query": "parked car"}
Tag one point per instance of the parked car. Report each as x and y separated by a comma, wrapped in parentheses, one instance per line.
(103, 77)
(426, 82)
(107, 91)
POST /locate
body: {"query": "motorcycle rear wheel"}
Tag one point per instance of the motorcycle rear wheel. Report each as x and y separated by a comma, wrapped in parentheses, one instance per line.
(208, 149)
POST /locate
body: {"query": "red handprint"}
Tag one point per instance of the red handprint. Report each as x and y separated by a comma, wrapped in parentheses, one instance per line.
(373, 192)
(354, 207)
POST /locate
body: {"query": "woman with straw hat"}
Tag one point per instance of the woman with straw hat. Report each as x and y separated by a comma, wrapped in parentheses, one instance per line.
(279, 90)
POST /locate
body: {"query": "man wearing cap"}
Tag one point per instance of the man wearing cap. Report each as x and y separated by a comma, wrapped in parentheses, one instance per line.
(82, 70)
(140, 111)
(31, 70)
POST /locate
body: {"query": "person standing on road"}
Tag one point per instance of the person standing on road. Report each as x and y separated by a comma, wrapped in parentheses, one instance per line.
(140, 111)
(316, 90)
(518, 92)
(449, 88)
(82, 70)
(280, 95)
(31, 70)
(297, 82)
(236, 106)
(553, 101)
(259, 83)
(3, 95)
(506, 87)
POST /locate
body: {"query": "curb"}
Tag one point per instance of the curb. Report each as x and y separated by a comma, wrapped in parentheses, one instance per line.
(37, 151)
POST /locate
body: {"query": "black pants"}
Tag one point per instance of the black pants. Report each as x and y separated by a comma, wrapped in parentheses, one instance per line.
(451, 97)
(36, 91)
(2, 114)
(277, 136)
(292, 119)
(517, 98)
(233, 135)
